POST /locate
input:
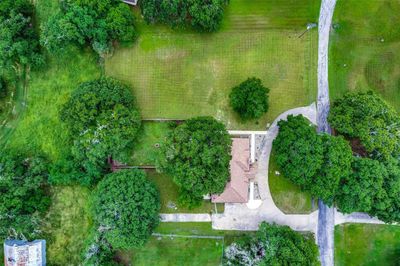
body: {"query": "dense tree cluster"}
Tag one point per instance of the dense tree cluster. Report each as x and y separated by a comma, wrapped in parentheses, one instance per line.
(367, 117)
(249, 99)
(197, 155)
(126, 207)
(325, 165)
(23, 194)
(202, 15)
(273, 245)
(374, 185)
(98, 23)
(103, 121)
(19, 43)
(315, 162)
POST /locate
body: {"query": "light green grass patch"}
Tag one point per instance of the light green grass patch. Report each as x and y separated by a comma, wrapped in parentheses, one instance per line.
(178, 75)
(163, 251)
(146, 148)
(288, 197)
(67, 225)
(367, 244)
(364, 49)
(169, 193)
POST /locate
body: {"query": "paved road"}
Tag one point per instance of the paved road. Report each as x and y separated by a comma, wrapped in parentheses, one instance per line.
(326, 215)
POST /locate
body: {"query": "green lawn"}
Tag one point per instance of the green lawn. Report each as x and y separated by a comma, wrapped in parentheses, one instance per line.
(364, 49)
(67, 225)
(364, 244)
(169, 193)
(287, 196)
(165, 251)
(146, 149)
(180, 74)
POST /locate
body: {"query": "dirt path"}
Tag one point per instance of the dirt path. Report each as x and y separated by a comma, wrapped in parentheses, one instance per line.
(326, 215)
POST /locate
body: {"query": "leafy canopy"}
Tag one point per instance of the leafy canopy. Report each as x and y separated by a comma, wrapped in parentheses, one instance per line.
(19, 43)
(367, 117)
(3, 88)
(249, 99)
(202, 15)
(103, 121)
(23, 196)
(98, 23)
(197, 155)
(273, 245)
(126, 207)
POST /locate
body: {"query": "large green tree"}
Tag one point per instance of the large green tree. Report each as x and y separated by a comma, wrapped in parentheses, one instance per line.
(126, 207)
(103, 121)
(298, 149)
(365, 116)
(249, 99)
(202, 15)
(98, 23)
(23, 194)
(19, 43)
(197, 155)
(273, 245)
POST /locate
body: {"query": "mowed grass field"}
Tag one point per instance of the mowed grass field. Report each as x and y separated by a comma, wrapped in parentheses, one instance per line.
(180, 74)
(288, 197)
(364, 49)
(366, 244)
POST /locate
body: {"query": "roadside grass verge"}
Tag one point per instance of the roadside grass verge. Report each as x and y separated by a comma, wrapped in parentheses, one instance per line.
(288, 197)
(169, 193)
(364, 49)
(367, 244)
(179, 74)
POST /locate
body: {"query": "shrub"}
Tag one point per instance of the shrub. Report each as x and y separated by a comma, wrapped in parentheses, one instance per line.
(249, 99)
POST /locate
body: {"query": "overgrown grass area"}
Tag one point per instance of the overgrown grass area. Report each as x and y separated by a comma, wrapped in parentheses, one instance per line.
(178, 74)
(288, 197)
(67, 225)
(146, 149)
(364, 49)
(163, 251)
(169, 193)
(367, 244)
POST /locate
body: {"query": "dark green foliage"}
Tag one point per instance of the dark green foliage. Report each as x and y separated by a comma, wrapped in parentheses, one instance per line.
(98, 23)
(126, 207)
(363, 187)
(197, 155)
(249, 99)
(3, 88)
(23, 195)
(335, 166)
(19, 44)
(299, 150)
(103, 121)
(273, 245)
(367, 117)
(98, 251)
(315, 162)
(202, 15)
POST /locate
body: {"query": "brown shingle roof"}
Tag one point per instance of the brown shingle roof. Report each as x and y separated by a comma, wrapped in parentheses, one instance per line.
(237, 190)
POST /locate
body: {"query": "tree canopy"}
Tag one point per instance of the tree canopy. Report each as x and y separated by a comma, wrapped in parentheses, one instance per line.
(126, 207)
(249, 99)
(367, 117)
(273, 245)
(3, 88)
(197, 155)
(202, 15)
(19, 43)
(98, 23)
(103, 121)
(23, 194)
